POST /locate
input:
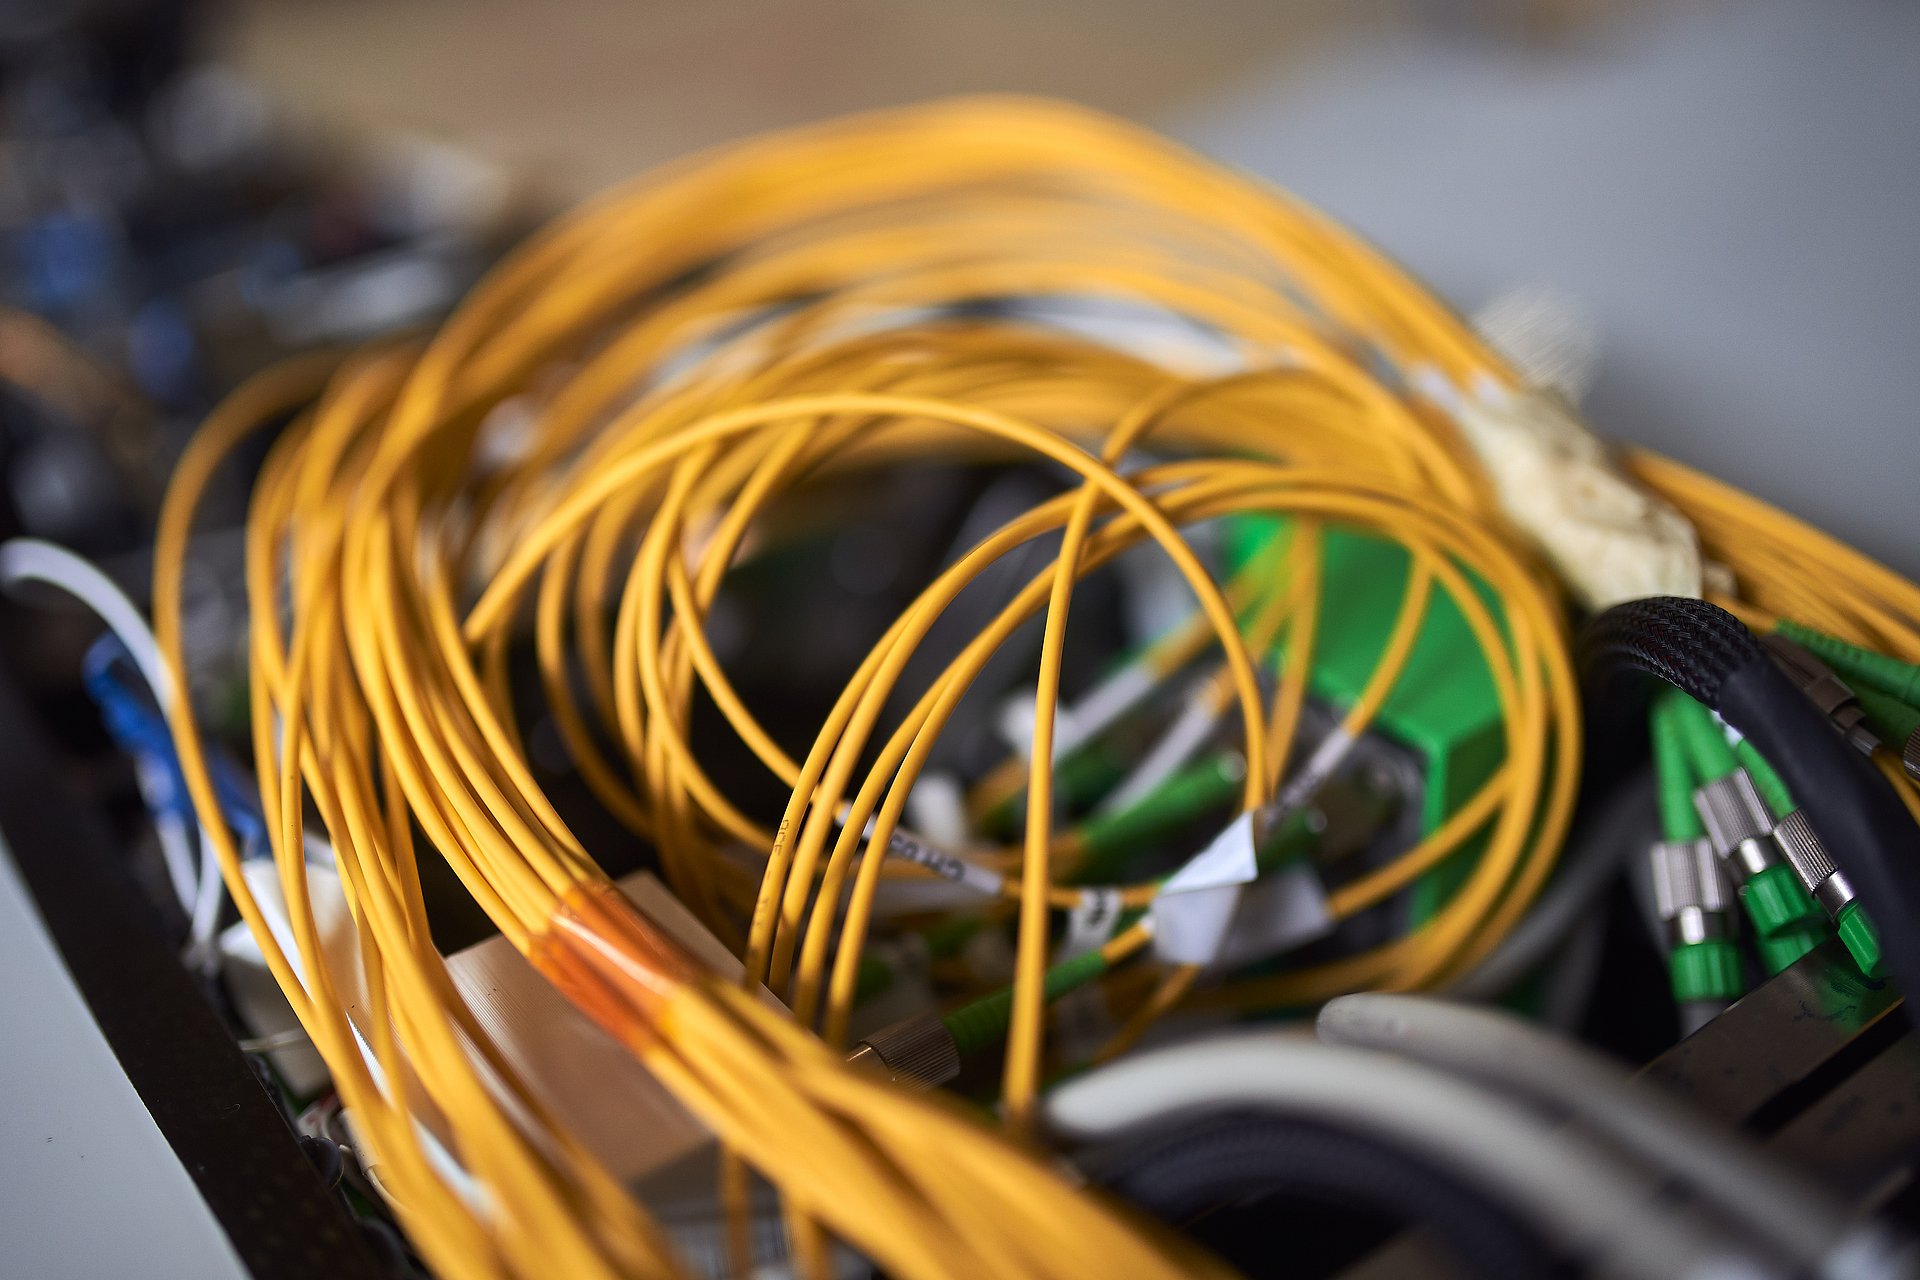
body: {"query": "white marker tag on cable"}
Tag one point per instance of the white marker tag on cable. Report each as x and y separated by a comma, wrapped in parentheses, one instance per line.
(1090, 923)
(1281, 911)
(943, 864)
(1103, 704)
(1196, 904)
(1015, 723)
(1319, 766)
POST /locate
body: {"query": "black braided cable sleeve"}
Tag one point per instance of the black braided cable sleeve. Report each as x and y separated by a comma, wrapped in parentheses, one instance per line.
(1708, 653)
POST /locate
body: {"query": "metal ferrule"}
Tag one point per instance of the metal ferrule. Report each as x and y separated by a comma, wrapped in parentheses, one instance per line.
(1910, 756)
(1690, 891)
(1812, 863)
(1738, 824)
(917, 1051)
(1824, 689)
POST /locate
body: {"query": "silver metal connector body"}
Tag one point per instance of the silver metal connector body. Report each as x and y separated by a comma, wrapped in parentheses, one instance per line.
(1826, 690)
(1690, 891)
(1738, 824)
(917, 1051)
(1812, 863)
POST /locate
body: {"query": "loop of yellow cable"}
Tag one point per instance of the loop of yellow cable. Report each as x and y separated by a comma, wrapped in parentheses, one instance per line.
(626, 409)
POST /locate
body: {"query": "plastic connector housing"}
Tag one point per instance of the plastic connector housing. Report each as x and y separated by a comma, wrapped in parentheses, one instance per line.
(1784, 949)
(1826, 690)
(1861, 939)
(1706, 972)
(1609, 538)
(1777, 902)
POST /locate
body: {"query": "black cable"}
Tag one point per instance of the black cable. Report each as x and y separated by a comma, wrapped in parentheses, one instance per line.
(1237, 1157)
(1690, 644)
(1707, 652)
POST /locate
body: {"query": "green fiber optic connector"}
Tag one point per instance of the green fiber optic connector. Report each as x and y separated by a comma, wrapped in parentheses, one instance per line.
(1824, 689)
(1776, 901)
(1862, 940)
(925, 1050)
(1191, 793)
(1695, 903)
(1781, 951)
(918, 1052)
(1739, 826)
(1814, 867)
(983, 1022)
(1864, 667)
(1897, 724)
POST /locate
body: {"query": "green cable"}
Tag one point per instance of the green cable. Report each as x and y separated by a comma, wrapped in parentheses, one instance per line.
(1080, 778)
(1110, 838)
(1713, 759)
(1893, 720)
(1855, 928)
(872, 978)
(1887, 675)
(1673, 770)
(1766, 780)
(946, 938)
(983, 1022)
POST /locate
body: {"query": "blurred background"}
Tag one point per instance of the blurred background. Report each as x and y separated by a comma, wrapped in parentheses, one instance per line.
(1718, 199)
(1710, 205)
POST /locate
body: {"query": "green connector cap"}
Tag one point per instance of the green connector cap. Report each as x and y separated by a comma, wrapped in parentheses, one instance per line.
(1776, 901)
(1779, 952)
(1709, 970)
(1861, 938)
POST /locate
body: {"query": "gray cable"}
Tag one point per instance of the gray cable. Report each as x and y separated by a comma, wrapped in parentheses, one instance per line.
(1596, 1207)
(1608, 839)
(1570, 982)
(1496, 1049)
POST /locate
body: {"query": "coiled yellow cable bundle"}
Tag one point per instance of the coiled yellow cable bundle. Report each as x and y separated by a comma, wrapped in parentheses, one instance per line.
(689, 351)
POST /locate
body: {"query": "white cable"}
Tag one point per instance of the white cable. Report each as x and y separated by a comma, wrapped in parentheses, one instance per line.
(1103, 704)
(1501, 1050)
(1593, 858)
(31, 559)
(456, 1176)
(35, 560)
(203, 949)
(176, 843)
(1184, 737)
(1602, 1210)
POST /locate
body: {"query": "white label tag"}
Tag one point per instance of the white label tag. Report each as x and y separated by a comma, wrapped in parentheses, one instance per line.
(943, 864)
(1318, 768)
(1196, 904)
(1227, 860)
(1282, 910)
(1090, 923)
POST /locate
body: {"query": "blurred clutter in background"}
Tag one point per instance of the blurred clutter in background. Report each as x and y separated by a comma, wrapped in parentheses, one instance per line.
(845, 638)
